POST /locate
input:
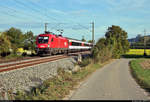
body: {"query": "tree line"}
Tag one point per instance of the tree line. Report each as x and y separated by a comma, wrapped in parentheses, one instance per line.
(113, 45)
(13, 38)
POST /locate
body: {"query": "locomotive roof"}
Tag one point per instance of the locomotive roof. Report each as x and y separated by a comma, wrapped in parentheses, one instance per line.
(77, 40)
(72, 39)
(66, 37)
(53, 35)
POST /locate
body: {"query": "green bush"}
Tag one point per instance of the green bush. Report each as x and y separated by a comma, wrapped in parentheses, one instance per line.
(85, 62)
(5, 45)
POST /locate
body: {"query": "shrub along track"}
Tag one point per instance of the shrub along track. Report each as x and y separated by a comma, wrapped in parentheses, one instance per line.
(18, 59)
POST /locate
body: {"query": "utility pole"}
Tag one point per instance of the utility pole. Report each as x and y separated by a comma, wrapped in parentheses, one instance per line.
(46, 27)
(93, 33)
(144, 42)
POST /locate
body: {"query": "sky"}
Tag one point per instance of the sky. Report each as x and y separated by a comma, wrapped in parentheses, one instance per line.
(75, 16)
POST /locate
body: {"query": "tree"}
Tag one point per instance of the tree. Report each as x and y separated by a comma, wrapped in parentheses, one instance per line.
(16, 38)
(101, 51)
(90, 41)
(83, 39)
(97, 48)
(28, 35)
(29, 41)
(113, 45)
(5, 44)
(101, 43)
(116, 37)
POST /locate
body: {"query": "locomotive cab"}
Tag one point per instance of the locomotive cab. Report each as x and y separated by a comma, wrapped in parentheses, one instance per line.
(42, 44)
(51, 44)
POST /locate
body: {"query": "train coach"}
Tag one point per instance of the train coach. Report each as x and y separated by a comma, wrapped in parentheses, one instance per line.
(49, 43)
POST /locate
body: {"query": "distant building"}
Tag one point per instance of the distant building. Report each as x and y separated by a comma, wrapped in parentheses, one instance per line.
(132, 40)
(137, 39)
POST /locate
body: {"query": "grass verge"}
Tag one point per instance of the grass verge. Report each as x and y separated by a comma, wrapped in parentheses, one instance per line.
(11, 57)
(141, 75)
(59, 86)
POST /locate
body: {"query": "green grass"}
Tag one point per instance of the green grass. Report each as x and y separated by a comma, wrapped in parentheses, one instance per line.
(85, 62)
(12, 57)
(59, 86)
(141, 75)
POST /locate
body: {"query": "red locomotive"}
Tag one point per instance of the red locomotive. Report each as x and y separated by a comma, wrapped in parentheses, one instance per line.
(50, 43)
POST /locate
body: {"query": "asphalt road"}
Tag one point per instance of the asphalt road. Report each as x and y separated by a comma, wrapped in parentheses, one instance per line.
(112, 82)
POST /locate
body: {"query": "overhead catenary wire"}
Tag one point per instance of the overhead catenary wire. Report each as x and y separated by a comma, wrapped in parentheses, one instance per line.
(44, 8)
(36, 4)
(16, 13)
(37, 11)
(56, 25)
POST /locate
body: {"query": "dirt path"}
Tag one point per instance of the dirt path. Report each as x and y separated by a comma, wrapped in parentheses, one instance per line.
(113, 82)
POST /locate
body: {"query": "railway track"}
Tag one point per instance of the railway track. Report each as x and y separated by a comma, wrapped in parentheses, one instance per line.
(32, 61)
(18, 65)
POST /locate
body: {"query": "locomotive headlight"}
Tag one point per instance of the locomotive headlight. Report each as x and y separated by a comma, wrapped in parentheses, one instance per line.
(48, 45)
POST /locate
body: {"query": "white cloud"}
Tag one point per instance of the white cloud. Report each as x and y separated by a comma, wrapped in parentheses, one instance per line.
(79, 12)
(58, 11)
(35, 1)
(127, 5)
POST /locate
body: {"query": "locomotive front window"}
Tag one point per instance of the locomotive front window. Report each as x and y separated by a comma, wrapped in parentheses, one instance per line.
(43, 39)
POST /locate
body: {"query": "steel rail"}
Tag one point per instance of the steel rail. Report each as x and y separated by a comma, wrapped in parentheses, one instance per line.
(17, 66)
(7, 65)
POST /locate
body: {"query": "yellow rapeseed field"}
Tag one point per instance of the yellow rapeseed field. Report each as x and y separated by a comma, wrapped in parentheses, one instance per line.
(138, 52)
